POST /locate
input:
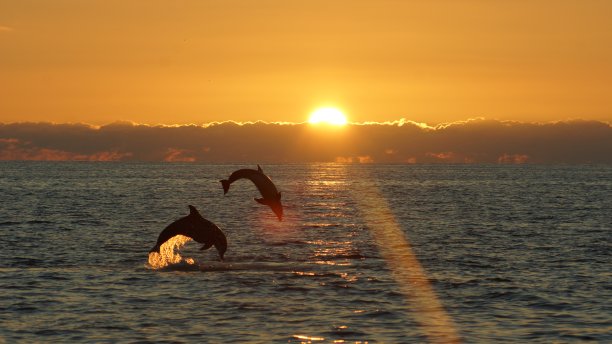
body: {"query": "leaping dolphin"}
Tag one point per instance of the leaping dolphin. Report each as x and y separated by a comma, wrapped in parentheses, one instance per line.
(271, 196)
(197, 228)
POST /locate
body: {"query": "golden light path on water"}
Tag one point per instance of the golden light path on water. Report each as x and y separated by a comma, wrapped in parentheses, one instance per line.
(410, 276)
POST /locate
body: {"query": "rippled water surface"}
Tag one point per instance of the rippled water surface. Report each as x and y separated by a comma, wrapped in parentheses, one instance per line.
(373, 253)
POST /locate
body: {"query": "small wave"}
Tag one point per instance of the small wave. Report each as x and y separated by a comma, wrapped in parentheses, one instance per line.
(252, 266)
(88, 222)
(285, 243)
(378, 314)
(9, 223)
(519, 295)
(306, 273)
(349, 256)
(39, 222)
(53, 277)
(24, 308)
(344, 332)
(579, 337)
(498, 279)
(456, 283)
(47, 332)
(180, 266)
(115, 327)
(342, 256)
(292, 288)
(322, 225)
(28, 262)
(174, 262)
(306, 339)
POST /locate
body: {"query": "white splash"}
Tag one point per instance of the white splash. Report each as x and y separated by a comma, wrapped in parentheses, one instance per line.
(169, 255)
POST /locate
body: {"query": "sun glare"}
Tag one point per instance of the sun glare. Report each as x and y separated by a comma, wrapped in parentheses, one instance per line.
(327, 115)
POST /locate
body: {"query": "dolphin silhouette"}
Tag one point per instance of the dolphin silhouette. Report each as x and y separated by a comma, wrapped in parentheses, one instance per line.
(271, 196)
(197, 228)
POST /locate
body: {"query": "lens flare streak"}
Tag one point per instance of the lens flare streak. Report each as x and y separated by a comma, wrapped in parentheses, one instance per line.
(406, 269)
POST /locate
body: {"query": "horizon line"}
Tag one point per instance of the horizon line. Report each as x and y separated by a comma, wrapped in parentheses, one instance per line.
(399, 122)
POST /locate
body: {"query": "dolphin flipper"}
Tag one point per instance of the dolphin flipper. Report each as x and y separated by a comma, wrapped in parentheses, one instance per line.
(262, 201)
(207, 246)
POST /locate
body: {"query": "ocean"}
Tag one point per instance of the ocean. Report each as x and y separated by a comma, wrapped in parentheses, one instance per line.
(365, 253)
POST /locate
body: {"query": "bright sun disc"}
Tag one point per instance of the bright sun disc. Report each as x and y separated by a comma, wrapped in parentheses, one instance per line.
(331, 116)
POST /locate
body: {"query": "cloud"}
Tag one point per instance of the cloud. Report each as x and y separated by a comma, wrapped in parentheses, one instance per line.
(513, 159)
(4, 28)
(354, 159)
(472, 141)
(14, 149)
(178, 155)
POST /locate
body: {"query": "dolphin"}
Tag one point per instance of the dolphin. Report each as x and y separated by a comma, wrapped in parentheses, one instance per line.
(271, 196)
(197, 228)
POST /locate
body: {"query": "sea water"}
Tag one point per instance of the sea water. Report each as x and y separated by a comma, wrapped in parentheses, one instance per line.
(376, 253)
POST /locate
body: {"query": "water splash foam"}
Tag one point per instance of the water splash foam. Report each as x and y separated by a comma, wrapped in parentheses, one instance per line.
(169, 255)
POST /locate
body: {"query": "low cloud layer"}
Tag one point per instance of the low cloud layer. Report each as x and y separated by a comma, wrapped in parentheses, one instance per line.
(474, 141)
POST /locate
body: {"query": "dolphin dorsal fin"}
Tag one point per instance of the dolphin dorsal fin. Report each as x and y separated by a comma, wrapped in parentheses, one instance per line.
(259, 169)
(193, 211)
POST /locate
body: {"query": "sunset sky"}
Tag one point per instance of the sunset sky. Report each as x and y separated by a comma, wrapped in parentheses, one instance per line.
(179, 62)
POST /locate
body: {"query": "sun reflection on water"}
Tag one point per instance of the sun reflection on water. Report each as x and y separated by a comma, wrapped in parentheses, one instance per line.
(307, 339)
(168, 253)
(391, 241)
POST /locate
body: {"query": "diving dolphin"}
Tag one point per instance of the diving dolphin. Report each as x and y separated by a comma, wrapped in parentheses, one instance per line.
(197, 228)
(271, 196)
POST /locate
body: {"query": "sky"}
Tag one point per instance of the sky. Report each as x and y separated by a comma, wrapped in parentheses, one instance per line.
(181, 62)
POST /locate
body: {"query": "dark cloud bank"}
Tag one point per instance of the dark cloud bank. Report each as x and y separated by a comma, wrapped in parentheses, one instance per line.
(474, 141)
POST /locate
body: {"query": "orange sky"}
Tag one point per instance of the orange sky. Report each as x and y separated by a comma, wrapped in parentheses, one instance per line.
(177, 62)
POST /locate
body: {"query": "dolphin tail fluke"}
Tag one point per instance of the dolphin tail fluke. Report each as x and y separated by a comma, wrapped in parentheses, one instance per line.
(226, 185)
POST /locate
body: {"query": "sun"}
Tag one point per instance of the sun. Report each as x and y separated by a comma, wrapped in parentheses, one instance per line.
(327, 115)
